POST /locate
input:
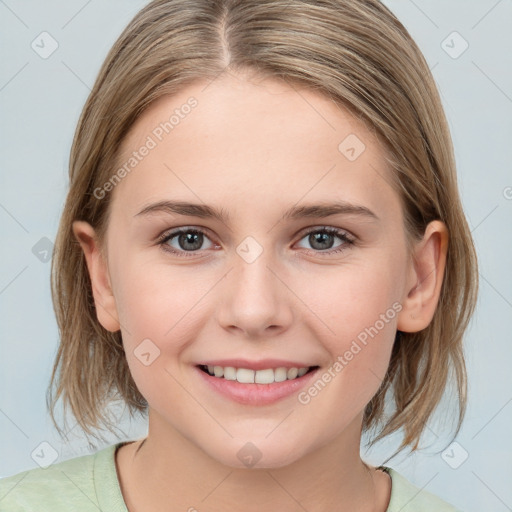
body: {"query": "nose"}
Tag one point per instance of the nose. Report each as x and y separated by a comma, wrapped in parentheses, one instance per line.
(254, 300)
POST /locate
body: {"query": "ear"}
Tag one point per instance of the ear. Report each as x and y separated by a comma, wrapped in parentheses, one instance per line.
(425, 279)
(104, 301)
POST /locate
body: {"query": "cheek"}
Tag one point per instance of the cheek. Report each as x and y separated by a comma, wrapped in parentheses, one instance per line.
(157, 312)
(358, 306)
(363, 319)
(159, 308)
(152, 300)
(352, 298)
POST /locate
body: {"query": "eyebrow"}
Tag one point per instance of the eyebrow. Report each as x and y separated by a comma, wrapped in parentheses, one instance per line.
(295, 212)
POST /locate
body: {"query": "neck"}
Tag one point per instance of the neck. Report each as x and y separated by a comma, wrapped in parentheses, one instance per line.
(168, 472)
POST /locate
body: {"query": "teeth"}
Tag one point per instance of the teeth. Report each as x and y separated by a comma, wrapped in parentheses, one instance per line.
(280, 374)
(267, 376)
(292, 373)
(230, 373)
(264, 376)
(302, 371)
(245, 376)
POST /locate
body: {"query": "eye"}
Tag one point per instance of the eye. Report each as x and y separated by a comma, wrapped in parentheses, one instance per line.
(183, 240)
(190, 240)
(322, 239)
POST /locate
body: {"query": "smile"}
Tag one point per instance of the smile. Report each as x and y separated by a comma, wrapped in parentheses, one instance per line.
(248, 376)
(255, 387)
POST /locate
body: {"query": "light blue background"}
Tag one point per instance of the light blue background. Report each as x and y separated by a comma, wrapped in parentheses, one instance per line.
(40, 101)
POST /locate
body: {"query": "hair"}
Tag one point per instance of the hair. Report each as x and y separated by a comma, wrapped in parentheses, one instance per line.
(354, 52)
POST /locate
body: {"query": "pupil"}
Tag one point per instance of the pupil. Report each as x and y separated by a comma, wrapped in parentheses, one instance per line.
(190, 241)
(321, 238)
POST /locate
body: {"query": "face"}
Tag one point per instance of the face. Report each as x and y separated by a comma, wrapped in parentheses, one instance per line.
(270, 282)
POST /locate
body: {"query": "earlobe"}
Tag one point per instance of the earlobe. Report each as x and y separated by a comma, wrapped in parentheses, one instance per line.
(104, 300)
(425, 279)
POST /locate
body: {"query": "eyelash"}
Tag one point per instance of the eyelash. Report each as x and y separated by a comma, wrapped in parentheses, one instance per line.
(342, 235)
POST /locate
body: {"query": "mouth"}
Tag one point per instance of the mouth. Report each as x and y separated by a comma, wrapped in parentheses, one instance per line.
(263, 376)
(255, 387)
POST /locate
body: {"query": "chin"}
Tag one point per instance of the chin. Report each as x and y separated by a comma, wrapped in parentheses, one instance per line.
(257, 454)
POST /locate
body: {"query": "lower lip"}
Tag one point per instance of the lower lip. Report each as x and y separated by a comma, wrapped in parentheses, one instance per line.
(256, 394)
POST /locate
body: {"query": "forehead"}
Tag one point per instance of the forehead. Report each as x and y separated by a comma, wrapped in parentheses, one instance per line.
(237, 139)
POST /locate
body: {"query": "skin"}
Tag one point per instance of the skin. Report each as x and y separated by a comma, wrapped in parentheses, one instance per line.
(256, 147)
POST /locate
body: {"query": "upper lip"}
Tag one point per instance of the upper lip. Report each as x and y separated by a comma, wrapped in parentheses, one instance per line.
(262, 364)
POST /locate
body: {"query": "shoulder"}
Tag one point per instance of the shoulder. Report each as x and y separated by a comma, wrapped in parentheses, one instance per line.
(67, 485)
(407, 497)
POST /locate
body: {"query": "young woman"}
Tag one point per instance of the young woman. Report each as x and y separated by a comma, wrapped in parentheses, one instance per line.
(263, 248)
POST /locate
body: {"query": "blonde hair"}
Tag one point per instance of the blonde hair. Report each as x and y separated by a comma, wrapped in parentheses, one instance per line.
(353, 51)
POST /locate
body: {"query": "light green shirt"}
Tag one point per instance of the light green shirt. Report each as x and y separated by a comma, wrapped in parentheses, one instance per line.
(89, 483)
